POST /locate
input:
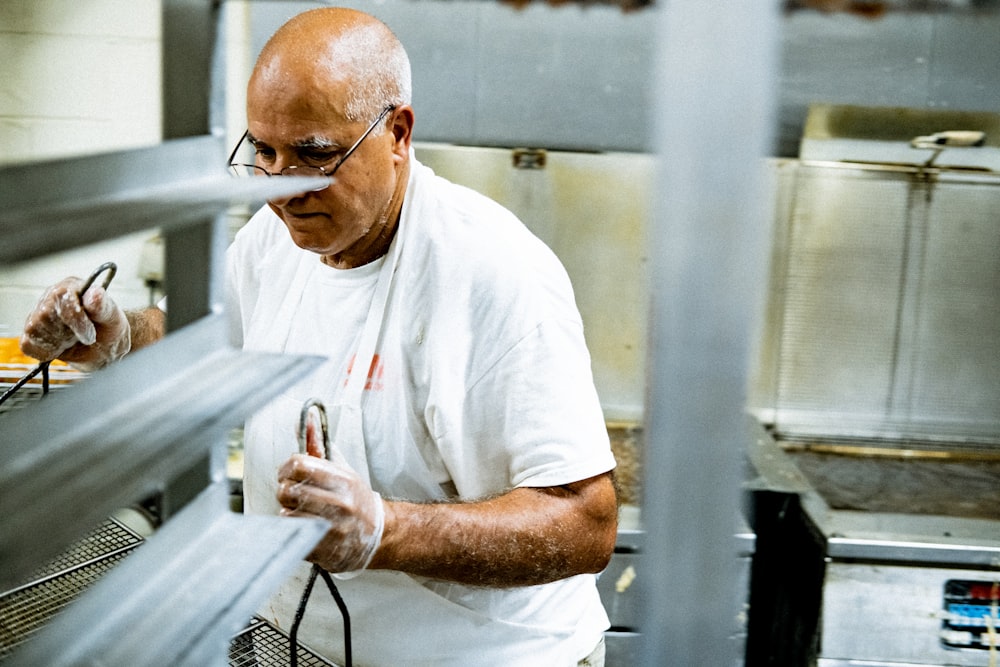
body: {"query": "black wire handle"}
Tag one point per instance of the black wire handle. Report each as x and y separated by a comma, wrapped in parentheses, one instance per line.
(293, 641)
(293, 634)
(43, 367)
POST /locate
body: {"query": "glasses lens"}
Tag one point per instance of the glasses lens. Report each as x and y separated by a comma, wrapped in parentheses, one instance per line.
(307, 172)
(246, 170)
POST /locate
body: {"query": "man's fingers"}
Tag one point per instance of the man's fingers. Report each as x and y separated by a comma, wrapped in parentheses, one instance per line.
(314, 440)
(71, 312)
(101, 308)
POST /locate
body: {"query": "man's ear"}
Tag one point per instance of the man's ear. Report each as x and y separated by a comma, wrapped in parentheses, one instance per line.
(402, 127)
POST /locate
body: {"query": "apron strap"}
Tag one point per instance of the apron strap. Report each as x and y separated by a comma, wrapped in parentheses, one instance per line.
(365, 354)
(268, 328)
(348, 429)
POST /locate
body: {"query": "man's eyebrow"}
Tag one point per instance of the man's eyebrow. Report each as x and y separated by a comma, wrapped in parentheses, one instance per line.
(307, 143)
(314, 143)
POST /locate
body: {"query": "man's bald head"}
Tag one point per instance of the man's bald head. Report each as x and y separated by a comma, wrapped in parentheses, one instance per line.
(336, 45)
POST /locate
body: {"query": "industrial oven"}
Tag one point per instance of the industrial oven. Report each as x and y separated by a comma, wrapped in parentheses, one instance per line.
(874, 448)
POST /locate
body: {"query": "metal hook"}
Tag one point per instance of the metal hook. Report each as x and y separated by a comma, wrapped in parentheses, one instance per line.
(110, 267)
(304, 420)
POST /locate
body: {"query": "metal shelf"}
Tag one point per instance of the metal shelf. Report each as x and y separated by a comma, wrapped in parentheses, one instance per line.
(121, 433)
(50, 207)
(29, 608)
(142, 425)
(181, 597)
(155, 423)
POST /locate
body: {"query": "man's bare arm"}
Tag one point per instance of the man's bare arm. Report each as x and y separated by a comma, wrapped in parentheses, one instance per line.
(524, 537)
(147, 326)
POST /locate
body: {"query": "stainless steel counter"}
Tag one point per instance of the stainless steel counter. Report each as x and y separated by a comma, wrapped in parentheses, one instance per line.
(904, 554)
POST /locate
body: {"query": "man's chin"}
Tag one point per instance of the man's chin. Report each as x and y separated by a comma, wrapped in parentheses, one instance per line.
(309, 242)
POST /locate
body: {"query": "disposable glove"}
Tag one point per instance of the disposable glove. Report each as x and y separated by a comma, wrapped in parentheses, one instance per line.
(314, 487)
(88, 333)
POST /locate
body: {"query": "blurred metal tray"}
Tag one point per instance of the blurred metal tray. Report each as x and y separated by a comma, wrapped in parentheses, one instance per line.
(26, 609)
(59, 374)
(14, 366)
(28, 394)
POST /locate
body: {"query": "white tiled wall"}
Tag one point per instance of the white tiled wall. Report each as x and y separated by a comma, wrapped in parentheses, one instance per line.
(79, 77)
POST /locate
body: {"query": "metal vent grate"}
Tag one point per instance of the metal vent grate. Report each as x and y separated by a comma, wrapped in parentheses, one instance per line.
(107, 541)
(263, 645)
(26, 609)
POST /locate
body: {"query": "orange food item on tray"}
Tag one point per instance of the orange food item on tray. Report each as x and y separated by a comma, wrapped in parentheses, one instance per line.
(14, 364)
(10, 353)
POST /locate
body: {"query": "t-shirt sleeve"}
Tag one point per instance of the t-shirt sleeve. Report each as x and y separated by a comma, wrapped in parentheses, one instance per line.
(534, 419)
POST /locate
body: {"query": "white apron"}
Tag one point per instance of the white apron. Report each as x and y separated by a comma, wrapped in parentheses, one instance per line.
(397, 619)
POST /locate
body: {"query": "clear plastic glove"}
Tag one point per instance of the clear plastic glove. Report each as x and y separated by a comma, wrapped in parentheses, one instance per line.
(88, 333)
(313, 487)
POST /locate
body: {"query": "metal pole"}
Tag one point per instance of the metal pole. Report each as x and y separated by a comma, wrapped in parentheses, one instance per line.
(709, 238)
(194, 253)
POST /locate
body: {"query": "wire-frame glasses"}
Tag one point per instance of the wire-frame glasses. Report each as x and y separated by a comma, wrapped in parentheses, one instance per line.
(244, 169)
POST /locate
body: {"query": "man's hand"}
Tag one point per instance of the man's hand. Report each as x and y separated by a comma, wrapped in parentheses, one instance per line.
(88, 332)
(313, 487)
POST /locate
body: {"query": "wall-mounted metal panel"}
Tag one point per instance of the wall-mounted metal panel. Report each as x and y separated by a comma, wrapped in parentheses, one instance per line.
(491, 74)
(885, 316)
(579, 77)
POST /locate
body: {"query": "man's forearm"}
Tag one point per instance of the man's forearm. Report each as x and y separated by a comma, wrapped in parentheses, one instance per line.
(147, 326)
(525, 537)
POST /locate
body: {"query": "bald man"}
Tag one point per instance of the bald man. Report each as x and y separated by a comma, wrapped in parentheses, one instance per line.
(468, 485)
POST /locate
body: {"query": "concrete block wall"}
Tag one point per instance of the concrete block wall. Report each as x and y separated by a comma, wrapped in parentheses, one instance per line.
(79, 78)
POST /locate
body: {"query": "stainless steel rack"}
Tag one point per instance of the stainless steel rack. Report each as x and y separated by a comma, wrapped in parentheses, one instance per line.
(155, 423)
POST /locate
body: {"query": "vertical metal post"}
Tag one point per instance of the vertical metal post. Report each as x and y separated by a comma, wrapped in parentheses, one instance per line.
(193, 267)
(708, 246)
(191, 64)
(194, 253)
(189, 31)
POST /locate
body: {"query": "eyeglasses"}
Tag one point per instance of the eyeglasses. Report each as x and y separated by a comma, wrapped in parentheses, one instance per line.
(243, 169)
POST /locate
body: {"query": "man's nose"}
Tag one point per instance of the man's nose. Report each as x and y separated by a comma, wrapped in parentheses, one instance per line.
(284, 200)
